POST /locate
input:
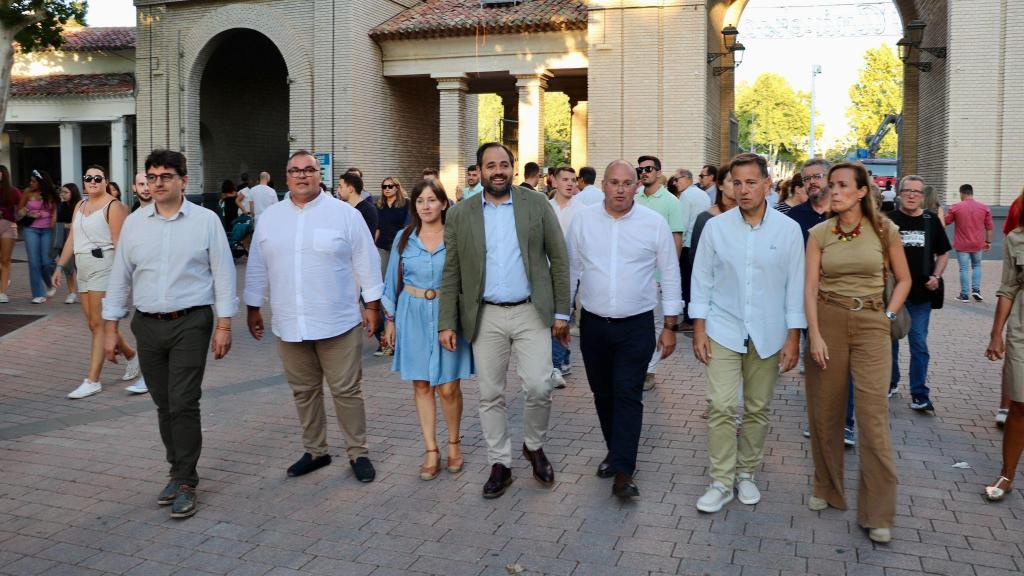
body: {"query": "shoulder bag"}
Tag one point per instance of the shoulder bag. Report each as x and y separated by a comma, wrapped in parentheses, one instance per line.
(900, 327)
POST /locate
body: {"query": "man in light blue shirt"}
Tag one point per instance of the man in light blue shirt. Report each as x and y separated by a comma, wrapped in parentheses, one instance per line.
(473, 185)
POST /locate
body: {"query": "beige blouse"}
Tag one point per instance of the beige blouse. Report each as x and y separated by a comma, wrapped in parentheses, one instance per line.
(852, 268)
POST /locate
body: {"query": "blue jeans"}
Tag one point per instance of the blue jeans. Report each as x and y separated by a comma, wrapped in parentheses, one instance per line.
(972, 259)
(37, 246)
(559, 354)
(849, 405)
(920, 315)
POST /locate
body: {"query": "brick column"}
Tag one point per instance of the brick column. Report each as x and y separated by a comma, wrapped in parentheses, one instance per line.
(578, 138)
(452, 138)
(510, 120)
(531, 88)
(472, 128)
(908, 142)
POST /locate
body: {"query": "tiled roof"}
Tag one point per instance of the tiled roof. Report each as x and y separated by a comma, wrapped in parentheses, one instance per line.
(97, 39)
(73, 85)
(434, 18)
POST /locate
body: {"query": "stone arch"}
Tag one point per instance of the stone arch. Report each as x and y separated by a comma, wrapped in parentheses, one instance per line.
(202, 41)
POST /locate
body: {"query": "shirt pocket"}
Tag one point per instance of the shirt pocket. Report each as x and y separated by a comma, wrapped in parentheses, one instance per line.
(326, 240)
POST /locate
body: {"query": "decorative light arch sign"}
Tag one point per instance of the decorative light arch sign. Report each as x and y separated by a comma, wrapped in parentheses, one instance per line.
(802, 19)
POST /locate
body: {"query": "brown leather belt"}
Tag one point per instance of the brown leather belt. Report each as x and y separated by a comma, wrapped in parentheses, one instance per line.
(508, 304)
(172, 315)
(852, 303)
(425, 293)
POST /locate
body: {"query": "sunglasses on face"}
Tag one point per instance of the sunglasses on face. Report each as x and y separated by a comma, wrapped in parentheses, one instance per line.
(90, 178)
(644, 170)
(388, 186)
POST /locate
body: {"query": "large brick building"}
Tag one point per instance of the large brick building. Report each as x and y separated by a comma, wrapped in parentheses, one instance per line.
(391, 86)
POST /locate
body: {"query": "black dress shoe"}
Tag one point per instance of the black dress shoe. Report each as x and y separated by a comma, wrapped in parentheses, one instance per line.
(604, 469)
(184, 503)
(363, 469)
(542, 470)
(624, 487)
(501, 478)
(307, 464)
(169, 493)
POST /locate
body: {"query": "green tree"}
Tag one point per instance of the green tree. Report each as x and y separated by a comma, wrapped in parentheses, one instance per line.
(34, 25)
(878, 92)
(774, 119)
(488, 117)
(557, 124)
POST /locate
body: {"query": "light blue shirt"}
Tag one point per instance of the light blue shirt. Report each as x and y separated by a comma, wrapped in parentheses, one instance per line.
(504, 272)
(472, 191)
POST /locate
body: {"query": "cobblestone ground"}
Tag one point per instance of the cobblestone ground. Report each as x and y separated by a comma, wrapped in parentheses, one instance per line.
(78, 479)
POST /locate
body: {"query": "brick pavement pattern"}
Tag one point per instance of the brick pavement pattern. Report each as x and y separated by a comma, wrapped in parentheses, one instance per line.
(78, 479)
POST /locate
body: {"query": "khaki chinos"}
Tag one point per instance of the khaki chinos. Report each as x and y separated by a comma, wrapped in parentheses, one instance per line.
(858, 344)
(337, 360)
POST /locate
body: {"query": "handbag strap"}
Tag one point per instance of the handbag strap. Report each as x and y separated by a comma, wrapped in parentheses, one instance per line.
(884, 239)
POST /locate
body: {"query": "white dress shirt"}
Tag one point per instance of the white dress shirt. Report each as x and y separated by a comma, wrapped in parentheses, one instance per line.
(748, 282)
(693, 201)
(315, 261)
(169, 264)
(262, 197)
(614, 260)
(590, 195)
(566, 215)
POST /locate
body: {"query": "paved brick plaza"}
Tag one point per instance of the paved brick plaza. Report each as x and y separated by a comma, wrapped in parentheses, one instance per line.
(78, 479)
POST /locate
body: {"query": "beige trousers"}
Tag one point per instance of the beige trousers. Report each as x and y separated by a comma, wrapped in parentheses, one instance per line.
(728, 373)
(502, 331)
(858, 343)
(337, 360)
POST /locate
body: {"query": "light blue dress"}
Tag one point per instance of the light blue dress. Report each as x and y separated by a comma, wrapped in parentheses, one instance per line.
(418, 353)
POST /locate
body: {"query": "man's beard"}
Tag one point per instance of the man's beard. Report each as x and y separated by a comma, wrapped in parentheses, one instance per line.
(815, 196)
(497, 192)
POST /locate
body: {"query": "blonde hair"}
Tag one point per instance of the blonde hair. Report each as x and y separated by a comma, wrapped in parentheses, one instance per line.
(400, 198)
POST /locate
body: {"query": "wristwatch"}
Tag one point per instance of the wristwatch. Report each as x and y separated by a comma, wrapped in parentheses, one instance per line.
(890, 315)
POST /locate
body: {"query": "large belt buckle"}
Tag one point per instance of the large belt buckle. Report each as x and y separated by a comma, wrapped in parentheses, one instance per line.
(430, 293)
(860, 304)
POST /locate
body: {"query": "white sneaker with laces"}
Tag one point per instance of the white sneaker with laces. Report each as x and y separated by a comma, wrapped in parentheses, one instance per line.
(71, 299)
(1001, 416)
(716, 497)
(131, 371)
(51, 291)
(86, 388)
(556, 379)
(3, 298)
(746, 490)
(139, 387)
(39, 300)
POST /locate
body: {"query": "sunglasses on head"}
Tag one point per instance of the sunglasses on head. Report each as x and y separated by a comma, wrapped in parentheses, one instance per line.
(644, 169)
(388, 186)
(90, 178)
(37, 175)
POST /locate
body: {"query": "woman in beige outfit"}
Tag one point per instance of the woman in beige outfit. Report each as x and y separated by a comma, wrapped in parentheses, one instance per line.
(848, 324)
(1010, 313)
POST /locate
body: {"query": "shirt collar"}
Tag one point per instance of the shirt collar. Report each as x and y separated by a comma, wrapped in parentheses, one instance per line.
(764, 219)
(311, 204)
(632, 210)
(657, 193)
(483, 198)
(184, 210)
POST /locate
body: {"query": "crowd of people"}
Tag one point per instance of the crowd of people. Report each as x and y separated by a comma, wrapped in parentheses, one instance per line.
(453, 286)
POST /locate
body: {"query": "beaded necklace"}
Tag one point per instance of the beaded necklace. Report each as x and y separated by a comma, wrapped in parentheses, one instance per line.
(846, 236)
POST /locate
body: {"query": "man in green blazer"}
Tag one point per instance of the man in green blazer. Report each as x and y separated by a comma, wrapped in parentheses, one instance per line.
(506, 285)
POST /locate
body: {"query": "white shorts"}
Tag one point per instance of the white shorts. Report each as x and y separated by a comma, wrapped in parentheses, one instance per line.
(93, 272)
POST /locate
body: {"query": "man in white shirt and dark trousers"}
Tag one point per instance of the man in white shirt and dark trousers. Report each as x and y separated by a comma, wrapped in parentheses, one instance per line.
(615, 249)
(747, 257)
(693, 201)
(315, 257)
(173, 257)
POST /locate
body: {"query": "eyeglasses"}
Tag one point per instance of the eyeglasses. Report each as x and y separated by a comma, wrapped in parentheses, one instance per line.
(644, 169)
(703, 175)
(818, 176)
(909, 191)
(620, 185)
(165, 178)
(90, 178)
(388, 186)
(307, 171)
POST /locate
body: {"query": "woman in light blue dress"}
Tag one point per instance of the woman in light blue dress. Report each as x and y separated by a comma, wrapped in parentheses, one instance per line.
(411, 306)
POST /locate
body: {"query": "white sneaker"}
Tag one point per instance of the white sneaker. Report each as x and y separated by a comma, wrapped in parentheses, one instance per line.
(131, 371)
(39, 300)
(87, 388)
(746, 490)
(556, 379)
(716, 497)
(1001, 417)
(817, 504)
(51, 291)
(139, 387)
(880, 535)
(71, 299)
(3, 298)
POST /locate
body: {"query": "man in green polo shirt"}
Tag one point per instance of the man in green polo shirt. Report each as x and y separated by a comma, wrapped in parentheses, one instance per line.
(652, 194)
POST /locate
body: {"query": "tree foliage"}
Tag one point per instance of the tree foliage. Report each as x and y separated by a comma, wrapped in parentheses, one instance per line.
(774, 119)
(557, 124)
(878, 92)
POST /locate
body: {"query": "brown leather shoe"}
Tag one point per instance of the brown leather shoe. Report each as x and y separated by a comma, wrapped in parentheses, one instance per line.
(501, 478)
(624, 487)
(542, 470)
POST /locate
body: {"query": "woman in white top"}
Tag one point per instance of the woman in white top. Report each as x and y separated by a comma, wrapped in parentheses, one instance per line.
(95, 227)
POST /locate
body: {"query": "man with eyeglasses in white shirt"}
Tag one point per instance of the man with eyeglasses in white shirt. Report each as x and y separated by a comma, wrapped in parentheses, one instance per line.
(315, 257)
(746, 257)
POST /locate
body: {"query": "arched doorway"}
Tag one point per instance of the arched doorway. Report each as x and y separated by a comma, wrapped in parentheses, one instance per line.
(243, 109)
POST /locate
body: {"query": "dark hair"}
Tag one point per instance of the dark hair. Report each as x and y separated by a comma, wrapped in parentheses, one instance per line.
(560, 169)
(530, 170)
(414, 221)
(47, 190)
(472, 167)
(227, 186)
(354, 181)
(967, 189)
(748, 158)
(6, 188)
(400, 198)
(646, 157)
(588, 174)
(487, 146)
(673, 186)
(354, 170)
(712, 170)
(113, 187)
(720, 173)
(429, 172)
(76, 194)
(867, 204)
(784, 190)
(797, 181)
(244, 178)
(167, 159)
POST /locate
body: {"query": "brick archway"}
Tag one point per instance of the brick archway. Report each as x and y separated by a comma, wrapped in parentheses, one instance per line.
(201, 43)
